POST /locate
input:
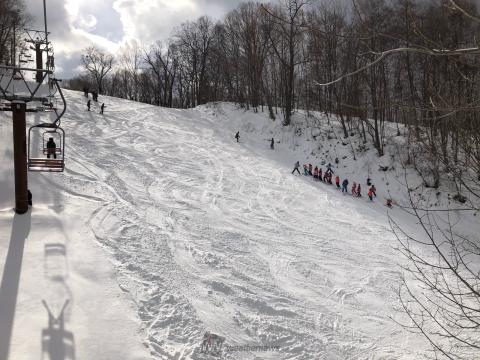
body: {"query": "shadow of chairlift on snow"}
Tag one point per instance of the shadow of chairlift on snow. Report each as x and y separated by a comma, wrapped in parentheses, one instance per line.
(55, 265)
(57, 343)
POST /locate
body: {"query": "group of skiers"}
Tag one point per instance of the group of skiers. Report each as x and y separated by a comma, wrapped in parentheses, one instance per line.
(86, 91)
(327, 176)
(272, 141)
(89, 104)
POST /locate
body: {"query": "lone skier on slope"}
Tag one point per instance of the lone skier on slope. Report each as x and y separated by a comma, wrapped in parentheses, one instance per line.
(237, 136)
(102, 108)
(272, 144)
(89, 103)
(297, 165)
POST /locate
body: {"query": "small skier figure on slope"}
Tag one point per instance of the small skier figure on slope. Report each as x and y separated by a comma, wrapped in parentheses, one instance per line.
(272, 144)
(344, 186)
(297, 165)
(370, 194)
(237, 136)
(329, 178)
(102, 108)
(354, 188)
(329, 169)
(89, 103)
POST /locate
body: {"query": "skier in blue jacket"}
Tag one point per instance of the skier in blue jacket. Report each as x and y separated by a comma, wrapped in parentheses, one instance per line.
(344, 186)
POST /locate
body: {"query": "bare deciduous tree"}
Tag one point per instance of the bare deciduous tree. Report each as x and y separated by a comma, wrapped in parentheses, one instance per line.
(98, 64)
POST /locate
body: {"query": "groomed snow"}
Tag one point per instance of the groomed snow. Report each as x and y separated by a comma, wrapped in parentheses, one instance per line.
(163, 227)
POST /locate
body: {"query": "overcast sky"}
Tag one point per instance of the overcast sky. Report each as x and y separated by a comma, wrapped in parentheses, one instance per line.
(77, 24)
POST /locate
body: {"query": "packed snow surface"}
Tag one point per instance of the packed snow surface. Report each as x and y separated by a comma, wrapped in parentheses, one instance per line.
(201, 234)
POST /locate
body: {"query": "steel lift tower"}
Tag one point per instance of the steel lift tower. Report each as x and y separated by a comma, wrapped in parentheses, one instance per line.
(21, 95)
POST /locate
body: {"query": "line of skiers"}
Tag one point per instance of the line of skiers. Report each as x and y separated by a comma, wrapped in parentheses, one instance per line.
(327, 176)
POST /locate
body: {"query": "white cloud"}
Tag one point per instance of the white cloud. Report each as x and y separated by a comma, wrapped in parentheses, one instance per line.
(86, 23)
(77, 24)
(147, 21)
(72, 7)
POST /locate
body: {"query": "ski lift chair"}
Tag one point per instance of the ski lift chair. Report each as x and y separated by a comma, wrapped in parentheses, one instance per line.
(46, 164)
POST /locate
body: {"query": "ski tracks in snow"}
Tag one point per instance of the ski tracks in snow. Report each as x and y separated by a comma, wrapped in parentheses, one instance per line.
(208, 236)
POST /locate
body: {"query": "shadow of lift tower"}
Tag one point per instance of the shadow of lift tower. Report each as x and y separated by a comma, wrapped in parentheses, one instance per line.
(15, 89)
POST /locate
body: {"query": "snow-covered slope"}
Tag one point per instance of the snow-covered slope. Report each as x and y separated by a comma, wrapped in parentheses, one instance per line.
(201, 234)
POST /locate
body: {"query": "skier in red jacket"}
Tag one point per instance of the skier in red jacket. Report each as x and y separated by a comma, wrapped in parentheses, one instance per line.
(337, 181)
(370, 194)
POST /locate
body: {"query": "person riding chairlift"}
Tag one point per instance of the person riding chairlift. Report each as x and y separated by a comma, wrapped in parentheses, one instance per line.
(51, 148)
